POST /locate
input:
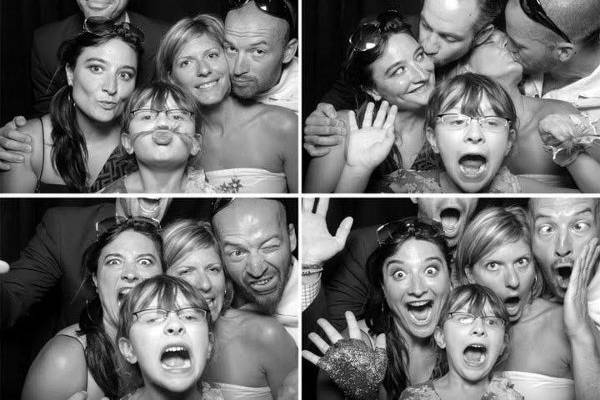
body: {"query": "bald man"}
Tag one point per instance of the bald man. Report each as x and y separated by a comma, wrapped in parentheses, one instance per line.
(256, 246)
(261, 46)
(561, 56)
(561, 228)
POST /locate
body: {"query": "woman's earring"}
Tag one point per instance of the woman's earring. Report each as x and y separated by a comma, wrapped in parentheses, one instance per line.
(71, 99)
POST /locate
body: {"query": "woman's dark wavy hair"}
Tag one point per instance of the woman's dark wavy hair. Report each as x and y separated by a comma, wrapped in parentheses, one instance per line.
(101, 356)
(475, 297)
(357, 67)
(378, 315)
(69, 150)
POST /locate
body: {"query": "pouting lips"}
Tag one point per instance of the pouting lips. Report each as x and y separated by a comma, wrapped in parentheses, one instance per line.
(162, 137)
(472, 165)
(475, 354)
(450, 218)
(175, 357)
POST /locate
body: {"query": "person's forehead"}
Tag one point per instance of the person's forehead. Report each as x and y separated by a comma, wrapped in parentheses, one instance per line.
(114, 51)
(415, 253)
(198, 44)
(520, 27)
(400, 47)
(485, 107)
(563, 208)
(450, 16)
(130, 242)
(251, 23)
(254, 217)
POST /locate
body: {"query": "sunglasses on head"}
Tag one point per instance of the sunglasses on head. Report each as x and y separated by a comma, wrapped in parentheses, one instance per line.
(369, 35)
(407, 227)
(276, 8)
(534, 10)
(102, 26)
(110, 223)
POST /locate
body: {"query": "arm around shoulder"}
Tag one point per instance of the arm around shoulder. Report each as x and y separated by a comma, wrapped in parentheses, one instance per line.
(324, 172)
(289, 150)
(58, 371)
(22, 177)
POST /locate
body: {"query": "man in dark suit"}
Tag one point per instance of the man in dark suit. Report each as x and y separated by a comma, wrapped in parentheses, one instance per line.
(45, 70)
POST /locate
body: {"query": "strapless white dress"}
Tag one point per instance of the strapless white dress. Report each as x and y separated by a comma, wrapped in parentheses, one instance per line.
(247, 180)
(237, 392)
(541, 387)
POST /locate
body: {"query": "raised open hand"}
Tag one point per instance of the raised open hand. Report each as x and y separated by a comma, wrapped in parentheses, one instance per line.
(575, 306)
(368, 146)
(318, 245)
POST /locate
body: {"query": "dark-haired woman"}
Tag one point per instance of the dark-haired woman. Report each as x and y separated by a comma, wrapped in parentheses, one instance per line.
(76, 148)
(409, 281)
(387, 63)
(83, 357)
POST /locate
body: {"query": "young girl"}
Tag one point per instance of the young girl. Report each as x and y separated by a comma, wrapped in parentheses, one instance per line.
(471, 125)
(160, 127)
(472, 333)
(165, 327)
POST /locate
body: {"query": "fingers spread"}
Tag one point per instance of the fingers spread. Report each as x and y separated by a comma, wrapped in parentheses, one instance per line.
(353, 329)
(310, 356)
(352, 122)
(380, 341)
(342, 232)
(381, 114)
(322, 206)
(368, 119)
(319, 342)
(308, 204)
(329, 330)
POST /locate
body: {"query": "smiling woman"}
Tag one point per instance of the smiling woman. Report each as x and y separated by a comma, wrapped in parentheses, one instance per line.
(386, 62)
(192, 55)
(75, 147)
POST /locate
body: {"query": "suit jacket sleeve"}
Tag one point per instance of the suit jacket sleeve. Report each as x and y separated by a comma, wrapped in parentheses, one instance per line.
(36, 271)
(347, 288)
